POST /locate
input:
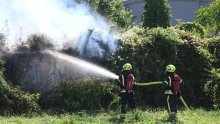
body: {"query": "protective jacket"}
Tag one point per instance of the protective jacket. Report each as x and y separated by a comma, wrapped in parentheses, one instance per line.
(172, 83)
(126, 81)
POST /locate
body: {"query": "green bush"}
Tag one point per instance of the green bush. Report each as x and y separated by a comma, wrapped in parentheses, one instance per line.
(193, 27)
(89, 95)
(213, 45)
(14, 100)
(149, 51)
(213, 87)
(194, 65)
(36, 42)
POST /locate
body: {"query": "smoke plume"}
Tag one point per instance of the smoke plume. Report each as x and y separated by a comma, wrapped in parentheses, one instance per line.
(64, 21)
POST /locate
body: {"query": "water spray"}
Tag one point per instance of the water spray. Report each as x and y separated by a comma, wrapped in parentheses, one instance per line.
(85, 65)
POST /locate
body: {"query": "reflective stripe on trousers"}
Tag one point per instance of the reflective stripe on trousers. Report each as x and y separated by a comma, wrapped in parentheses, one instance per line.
(168, 103)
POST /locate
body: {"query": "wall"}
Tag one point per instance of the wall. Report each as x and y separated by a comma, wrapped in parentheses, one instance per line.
(180, 9)
(40, 72)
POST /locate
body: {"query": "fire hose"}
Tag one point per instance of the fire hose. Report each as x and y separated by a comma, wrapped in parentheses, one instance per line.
(160, 82)
(148, 84)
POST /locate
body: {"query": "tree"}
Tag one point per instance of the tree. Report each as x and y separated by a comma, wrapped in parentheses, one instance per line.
(156, 14)
(113, 10)
(210, 17)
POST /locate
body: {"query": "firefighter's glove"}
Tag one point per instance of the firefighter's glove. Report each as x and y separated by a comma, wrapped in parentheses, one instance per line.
(165, 82)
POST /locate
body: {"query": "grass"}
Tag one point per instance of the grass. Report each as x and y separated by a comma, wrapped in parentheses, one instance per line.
(198, 116)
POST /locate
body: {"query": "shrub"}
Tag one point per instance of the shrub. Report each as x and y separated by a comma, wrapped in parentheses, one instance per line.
(36, 42)
(149, 51)
(193, 27)
(213, 86)
(213, 46)
(14, 100)
(78, 95)
(194, 65)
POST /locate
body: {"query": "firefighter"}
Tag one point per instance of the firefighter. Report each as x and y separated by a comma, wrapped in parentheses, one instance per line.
(172, 88)
(126, 88)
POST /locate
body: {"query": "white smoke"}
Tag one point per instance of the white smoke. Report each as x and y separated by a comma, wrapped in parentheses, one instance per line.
(61, 20)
